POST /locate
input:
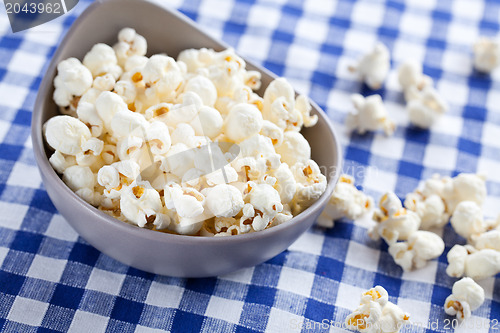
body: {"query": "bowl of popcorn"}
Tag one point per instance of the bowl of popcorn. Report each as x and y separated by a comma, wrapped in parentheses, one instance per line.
(167, 151)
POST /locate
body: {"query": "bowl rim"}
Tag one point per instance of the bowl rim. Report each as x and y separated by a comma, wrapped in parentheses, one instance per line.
(51, 175)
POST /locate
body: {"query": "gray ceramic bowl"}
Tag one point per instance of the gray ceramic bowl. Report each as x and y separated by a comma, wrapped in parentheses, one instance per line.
(168, 254)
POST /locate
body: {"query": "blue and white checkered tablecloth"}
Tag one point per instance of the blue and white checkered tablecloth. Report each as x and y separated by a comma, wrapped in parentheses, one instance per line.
(52, 280)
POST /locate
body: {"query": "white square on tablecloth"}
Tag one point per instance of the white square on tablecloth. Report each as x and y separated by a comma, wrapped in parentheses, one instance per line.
(12, 215)
(368, 13)
(216, 9)
(490, 134)
(360, 41)
(379, 180)
(489, 168)
(4, 128)
(296, 281)
(404, 50)
(252, 46)
(453, 91)
(59, 228)
(12, 96)
(468, 9)
(225, 309)
(264, 16)
(419, 311)
(415, 24)
(46, 268)
(27, 63)
(164, 295)
(302, 57)
(144, 329)
(3, 254)
(25, 176)
(312, 29)
(391, 147)
(243, 275)
(324, 8)
(308, 243)
(27, 311)
(283, 321)
(362, 256)
(461, 34)
(84, 322)
(348, 296)
(440, 157)
(105, 281)
(425, 274)
(458, 63)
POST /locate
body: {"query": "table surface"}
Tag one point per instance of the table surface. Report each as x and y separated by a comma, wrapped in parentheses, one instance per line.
(50, 278)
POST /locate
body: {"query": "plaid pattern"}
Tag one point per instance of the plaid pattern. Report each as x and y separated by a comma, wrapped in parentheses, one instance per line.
(52, 280)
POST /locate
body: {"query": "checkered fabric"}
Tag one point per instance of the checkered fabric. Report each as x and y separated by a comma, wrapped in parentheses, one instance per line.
(52, 280)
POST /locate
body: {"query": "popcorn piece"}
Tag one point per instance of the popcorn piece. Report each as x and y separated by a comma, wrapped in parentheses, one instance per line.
(466, 297)
(66, 134)
(393, 222)
(370, 115)
(126, 90)
(61, 162)
(467, 219)
(286, 184)
(279, 104)
(374, 66)
(140, 204)
(465, 187)
(162, 77)
(412, 79)
(346, 201)
(130, 43)
(107, 105)
(224, 200)
(204, 88)
(424, 110)
(72, 80)
(266, 204)
(187, 202)
(208, 122)
(87, 113)
(431, 209)
(158, 138)
(78, 177)
(273, 132)
(104, 82)
(294, 149)
(195, 59)
(310, 184)
(376, 314)
(476, 264)
(242, 122)
(487, 240)
(101, 59)
(486, 55)
(303, 105)
(421, 247)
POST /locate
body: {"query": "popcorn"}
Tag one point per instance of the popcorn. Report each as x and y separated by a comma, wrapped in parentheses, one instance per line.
(487, 240)
(376, 314)
(72, 81)
(101, 59)
(184, 146)
(466, 297)
(421, 247)
(130, 43)
(66, 134)
(426, 107)
(393, 222)
(374, 66)
(204, 88)
(412, 79)
(467, 219)
(486, 55)
(242, 122)
(294, 149)
(224, 200)
(431, 209)
(346, 201)
(473, 263)
(78, 177)
(370, 115)
(140, 204)
(465, 187)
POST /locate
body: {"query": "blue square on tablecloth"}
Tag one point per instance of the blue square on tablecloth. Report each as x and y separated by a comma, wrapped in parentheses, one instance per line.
(261, 295)
(186, 322)
(67, 296)
(127, 310)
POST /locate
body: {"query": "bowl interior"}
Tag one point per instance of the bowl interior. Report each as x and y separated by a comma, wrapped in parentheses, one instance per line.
(166, 32)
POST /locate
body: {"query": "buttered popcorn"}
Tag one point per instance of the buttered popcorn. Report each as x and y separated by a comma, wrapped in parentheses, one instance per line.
(183, 146)
(376, 314)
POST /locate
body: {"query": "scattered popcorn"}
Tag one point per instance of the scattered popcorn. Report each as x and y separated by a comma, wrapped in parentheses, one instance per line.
(465, 187)
(487, 240)
(426, 107)
(431, 209)
(374, 66)
(346, 201)
(486, 55)
(421, 247)
(369, 115)
(466, 297)
(376, 314)
(412, 79)
(467, 219)
(393, 222)
(473, 263)
(183, 146)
